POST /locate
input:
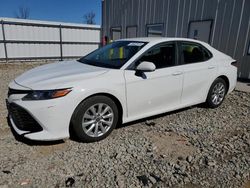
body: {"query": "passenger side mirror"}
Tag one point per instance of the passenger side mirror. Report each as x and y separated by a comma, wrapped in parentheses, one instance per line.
(146, 66)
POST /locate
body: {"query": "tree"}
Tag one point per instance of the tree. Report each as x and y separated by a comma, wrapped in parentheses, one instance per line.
(89, 18)
(22, 13)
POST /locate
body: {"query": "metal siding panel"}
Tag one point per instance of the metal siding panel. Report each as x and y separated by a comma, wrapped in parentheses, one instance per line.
(135, 6)
(234, 28)
(31, 33)
(180, 18)
(192, 10)
(150, 10)
(181, 23)
(186, 18)
(2, 54)
(77, 50)
(243, 43)
(172, 18)
(105, 17)
(239, 28)
(199, 9)
(163, 14)
(33, 50)
(224, 34)
(209, 9)
(80, 35)
(244, 71)
(158, 10)
(218, 23)
(145, 19)
(1, 32)
(241, 48)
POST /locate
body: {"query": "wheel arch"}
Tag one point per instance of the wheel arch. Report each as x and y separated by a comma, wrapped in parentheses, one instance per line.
(111, 96)
(225, 78)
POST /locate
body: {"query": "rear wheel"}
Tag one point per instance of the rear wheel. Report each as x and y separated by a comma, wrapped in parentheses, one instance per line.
(217, 93)
(95, 118)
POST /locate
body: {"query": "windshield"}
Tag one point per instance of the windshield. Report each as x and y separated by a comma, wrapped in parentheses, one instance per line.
(113, 55)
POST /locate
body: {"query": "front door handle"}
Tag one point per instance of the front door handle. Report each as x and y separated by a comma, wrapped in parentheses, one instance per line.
(177, 73)
(211, 67)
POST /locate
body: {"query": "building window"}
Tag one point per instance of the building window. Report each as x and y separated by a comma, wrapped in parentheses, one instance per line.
(155, 30)
(200, 30)
(131, 32)
(116, 33)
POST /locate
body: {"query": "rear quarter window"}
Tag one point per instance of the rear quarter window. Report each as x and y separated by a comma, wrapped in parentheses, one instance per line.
(194, 53)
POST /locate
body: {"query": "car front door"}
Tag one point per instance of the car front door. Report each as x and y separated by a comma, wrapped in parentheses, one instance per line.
(199, 71)
(150, 93)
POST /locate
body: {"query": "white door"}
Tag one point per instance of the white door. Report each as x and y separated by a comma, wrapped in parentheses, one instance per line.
(199, 71)
(200, 30)
(150, 93)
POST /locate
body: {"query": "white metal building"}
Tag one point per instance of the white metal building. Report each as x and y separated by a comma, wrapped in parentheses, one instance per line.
(33, 39)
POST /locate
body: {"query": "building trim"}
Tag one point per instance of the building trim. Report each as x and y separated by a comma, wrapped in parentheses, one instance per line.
(46, 42)
(4, 41)
(42, 58)
(49, 25)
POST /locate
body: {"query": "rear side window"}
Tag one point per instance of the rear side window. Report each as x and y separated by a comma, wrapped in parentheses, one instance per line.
(194, 53)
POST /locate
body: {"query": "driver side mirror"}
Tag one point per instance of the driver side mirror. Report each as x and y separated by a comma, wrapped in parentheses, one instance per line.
(146, 66)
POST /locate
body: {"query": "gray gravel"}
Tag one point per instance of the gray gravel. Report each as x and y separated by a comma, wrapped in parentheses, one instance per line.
(194, 147)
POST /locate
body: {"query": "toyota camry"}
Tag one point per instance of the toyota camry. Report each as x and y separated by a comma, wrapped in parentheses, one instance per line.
(124, 81)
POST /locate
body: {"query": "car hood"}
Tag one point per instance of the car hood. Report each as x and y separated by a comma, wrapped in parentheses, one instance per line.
(58, 75)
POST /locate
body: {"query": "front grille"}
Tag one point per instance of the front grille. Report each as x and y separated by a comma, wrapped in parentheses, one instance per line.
(15, 91)
(22, 119)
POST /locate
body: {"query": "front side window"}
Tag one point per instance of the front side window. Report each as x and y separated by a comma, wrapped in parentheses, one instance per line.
(155, 30)
(194, 53)
(162, 56)
(113, 55)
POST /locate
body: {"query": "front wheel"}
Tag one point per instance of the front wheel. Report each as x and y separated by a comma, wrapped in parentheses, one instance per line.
(95, 118)
(217, 93)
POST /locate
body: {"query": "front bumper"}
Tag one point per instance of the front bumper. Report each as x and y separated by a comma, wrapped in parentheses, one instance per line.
(44, 120)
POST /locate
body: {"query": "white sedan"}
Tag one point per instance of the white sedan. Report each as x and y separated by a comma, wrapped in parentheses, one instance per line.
(124, 81)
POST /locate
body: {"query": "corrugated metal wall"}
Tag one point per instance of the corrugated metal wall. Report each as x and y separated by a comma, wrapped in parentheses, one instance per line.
(30, 39)
(231, 21)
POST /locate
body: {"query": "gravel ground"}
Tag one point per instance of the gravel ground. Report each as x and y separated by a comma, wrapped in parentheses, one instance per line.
(194, 147)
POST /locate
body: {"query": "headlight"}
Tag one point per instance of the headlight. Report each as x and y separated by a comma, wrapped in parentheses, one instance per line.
(46, 94)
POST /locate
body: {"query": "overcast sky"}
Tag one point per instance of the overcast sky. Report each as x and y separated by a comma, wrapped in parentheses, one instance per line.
(53, 10)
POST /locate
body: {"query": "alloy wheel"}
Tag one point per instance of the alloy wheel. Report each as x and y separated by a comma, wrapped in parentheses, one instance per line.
(218, 93)
(97, 120)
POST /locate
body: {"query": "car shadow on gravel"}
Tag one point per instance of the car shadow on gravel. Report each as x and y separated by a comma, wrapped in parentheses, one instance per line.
(151, 118)
(24, 140)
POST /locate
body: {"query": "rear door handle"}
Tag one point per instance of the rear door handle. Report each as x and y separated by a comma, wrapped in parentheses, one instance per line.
(177, 73)
(211, 67)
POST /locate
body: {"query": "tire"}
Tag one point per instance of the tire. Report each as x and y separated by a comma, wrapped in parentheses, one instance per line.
(95, 118)
(217, 93)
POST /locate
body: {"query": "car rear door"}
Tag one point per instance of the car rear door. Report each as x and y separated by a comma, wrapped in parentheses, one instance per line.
(150, 93)
(199, 72)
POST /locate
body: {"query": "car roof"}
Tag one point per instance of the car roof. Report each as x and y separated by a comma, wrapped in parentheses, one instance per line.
(160, 39)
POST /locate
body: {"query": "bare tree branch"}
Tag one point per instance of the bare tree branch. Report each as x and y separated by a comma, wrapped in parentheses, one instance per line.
(89, 18)
(22, 13)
